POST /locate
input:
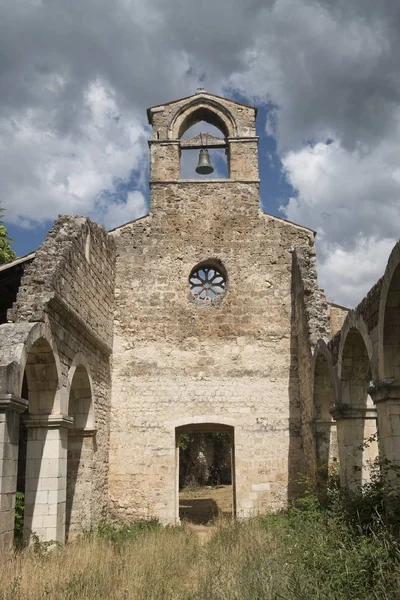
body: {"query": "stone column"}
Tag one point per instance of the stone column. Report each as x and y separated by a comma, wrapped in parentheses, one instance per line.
(386, 395)
(46, 476)
(354, 427)
(79, 481)
(10, 409)
(326, 445)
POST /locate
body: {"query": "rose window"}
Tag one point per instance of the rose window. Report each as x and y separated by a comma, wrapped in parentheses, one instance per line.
(207, 282)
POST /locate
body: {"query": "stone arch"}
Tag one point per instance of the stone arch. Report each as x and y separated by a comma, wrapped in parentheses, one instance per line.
(355, 326)
(37, 341)
(389, 319)
(324, 401)
(45, 479)
(80, 391)
(355, 413)
(202, 109)
(80, 451)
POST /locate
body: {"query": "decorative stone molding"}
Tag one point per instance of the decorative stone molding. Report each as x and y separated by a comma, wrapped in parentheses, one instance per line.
(86, 432)
(49, 421)
(385, 389)
(344, 411)
(8, 402)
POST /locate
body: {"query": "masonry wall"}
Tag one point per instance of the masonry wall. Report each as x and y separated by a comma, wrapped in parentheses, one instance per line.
(177, 362)
(311, 323)
(70, 285)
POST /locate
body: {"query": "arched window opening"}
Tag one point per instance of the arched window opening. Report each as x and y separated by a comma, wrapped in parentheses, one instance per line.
(326, 444)
(80, 454)
(391, 329)
(214, 140)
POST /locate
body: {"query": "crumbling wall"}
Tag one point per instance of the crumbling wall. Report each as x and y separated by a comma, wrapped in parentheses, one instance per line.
(70, 285)
(311, 323)
(337, 316)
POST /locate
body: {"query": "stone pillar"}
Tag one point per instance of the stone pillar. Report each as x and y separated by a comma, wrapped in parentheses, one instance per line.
(46, 476)
(386, 395)
(354, 427)
(10, 409)
(326, 445)
(79, 481)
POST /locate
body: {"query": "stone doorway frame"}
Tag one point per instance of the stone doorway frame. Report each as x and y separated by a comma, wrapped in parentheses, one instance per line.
(205, 427)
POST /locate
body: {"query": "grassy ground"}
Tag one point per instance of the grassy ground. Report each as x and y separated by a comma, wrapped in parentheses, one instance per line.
(202, 505)
(308, 554)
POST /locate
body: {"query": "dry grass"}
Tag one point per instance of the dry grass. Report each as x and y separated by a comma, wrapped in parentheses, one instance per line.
(153, 566)
(293, 556)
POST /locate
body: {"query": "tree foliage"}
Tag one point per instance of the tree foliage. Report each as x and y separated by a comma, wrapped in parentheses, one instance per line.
(7, 254)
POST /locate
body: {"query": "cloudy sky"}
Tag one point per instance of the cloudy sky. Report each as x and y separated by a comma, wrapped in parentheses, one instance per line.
(76, 77)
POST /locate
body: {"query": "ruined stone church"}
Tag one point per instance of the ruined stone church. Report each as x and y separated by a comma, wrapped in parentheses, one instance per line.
(204, 315)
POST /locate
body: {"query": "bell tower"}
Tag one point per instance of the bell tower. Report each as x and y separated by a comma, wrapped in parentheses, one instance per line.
(235, 121)
(203, 319)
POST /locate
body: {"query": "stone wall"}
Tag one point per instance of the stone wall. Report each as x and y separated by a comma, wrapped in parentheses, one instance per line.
(176, 361)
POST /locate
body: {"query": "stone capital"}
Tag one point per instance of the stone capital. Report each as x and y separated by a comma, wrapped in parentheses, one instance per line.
(8, 402)
(49, 421)
(345, 411)
(384, 390)
(83, 432)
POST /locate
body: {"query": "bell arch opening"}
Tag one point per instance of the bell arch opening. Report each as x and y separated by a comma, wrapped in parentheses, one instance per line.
(80, 454)
(358, 437)
(326, 444)
(203, 113)
(205, 472)
(205, 135)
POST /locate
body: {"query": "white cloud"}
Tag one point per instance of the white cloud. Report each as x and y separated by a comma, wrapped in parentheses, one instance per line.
(117, 213)
(351, 198)
(76, 78)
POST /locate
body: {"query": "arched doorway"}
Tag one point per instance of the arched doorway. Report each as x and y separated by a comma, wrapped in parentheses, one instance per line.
(356, 415)
(326, 445)
(216, 495)
(80, 452)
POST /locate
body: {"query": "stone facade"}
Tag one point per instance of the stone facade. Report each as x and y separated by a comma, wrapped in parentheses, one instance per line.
(116, 343)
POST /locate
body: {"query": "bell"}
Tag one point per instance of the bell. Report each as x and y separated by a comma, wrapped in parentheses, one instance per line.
(204, 167)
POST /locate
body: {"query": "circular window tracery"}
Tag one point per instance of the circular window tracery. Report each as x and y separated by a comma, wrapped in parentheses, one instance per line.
(207, 282)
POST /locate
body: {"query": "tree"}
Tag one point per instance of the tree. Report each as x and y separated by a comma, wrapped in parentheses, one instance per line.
(7, 254)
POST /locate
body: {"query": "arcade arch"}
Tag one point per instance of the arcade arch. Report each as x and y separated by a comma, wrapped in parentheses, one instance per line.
(355, 414)
(45, 468)
(80, 448)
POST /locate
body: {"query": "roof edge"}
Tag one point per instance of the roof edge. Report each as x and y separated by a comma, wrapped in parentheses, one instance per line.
(288, 222)
(128, 223)
(18, 261)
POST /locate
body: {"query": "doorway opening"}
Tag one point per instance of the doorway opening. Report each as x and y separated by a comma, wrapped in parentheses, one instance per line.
(205, 470)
